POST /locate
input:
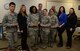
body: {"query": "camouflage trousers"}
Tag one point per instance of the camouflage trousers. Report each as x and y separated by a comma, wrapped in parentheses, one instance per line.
(12, 37)
(33, 33)
(52, 34)
(44, 35)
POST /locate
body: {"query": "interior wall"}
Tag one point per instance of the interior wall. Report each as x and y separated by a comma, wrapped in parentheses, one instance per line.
(75, 4)
(57, 5)
(29, 3)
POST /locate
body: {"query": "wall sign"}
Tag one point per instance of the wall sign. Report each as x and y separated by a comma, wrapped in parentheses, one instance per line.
(6, 6)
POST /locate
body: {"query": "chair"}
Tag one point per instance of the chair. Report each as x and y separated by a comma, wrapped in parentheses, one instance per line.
(77, 36)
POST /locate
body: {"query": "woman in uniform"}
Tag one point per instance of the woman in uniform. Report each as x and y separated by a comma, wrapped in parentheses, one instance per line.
(53, 27)
(33, 27)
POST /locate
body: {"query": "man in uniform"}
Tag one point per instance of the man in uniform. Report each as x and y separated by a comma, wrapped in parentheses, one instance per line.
(45, 28)
(10, 23)
(40, 13)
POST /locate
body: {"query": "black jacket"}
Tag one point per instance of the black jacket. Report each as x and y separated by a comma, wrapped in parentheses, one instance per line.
(22, 21)
(71, 21)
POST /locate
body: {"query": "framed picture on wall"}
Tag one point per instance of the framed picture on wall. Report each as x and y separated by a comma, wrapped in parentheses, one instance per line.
(79, 7)
(6, 6)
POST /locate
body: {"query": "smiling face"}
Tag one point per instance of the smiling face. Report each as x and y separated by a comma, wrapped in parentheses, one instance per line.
(12, 8)
(51, 12)
(61, 9)
(40, 6)
(53, 7)
(23, 8)
(34, 9)
(45, 12)
(71, 11)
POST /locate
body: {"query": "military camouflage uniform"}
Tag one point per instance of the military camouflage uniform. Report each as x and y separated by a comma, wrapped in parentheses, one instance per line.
(33, 30)
(45, 30)
(40, 13)
(53, 29)
(11, 30)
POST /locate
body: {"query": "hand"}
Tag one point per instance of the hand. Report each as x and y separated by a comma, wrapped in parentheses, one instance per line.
(31, 24)
(38, 22)
(52, 26)
(34, 25)
(14, 24)
(21, 31)
(71, 29)
(60, 26)
(42, 25)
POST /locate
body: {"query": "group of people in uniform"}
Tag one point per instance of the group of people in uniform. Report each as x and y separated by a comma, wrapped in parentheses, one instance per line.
(41, 26)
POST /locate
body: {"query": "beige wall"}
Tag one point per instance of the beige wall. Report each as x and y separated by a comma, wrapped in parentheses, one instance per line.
(75, 4)
(29, 3)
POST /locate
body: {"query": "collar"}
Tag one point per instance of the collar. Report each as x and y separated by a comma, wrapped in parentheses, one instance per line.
(11, 13)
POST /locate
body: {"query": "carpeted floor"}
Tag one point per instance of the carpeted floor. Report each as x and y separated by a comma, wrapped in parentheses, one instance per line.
(75, 47)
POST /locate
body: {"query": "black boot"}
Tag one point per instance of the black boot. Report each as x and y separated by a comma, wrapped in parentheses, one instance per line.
(60, 45)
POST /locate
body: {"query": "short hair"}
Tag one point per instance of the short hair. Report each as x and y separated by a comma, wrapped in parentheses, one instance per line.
(52, 10)
(12, 3)
(40, 3)
(45, 9)
(31, 9)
